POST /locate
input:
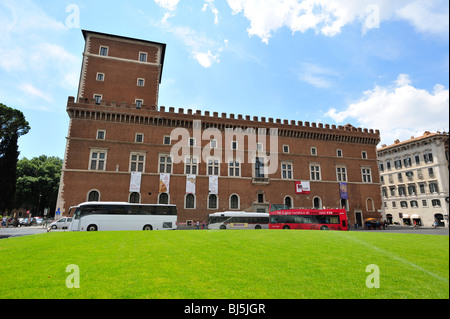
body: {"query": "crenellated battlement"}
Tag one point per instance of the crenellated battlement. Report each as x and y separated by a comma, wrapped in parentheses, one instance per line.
(151, 115)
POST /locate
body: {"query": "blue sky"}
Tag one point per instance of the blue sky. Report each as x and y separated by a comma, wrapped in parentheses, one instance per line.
(373, 63)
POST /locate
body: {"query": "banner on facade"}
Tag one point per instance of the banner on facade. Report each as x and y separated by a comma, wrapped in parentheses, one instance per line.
(214, 185)
(343, 190)
(135, 182)
(302, 187)
(190, 184)
(164, 181)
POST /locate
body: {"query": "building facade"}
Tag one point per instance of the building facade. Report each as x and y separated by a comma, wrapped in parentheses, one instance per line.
(415, 180)
(122, 146)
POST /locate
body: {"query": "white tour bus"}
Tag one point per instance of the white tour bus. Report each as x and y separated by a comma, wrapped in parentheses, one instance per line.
(238, 220)
(92, 216)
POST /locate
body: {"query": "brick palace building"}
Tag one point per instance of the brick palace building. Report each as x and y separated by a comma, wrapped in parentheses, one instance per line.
(119, 147)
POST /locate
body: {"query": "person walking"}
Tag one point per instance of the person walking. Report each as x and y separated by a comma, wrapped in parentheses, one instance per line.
(198, 224)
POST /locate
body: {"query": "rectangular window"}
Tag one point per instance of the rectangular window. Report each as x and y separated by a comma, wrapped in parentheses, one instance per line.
(191, 166)
(417, 159)
(285, 148)
(191, 141)
(422, 188)
(137, 162)
(213, 166)
(434, 187)
(424, 203)
(142, 56)
(366, 175)
(234, 145)
(139, 103)
(100, 76)
(213, 143)
(234, 168)
(97, 160)
(259, 147)
(364, 154)
(341, 173)
(407, 162)
(286, 170)
(139, 138)
(259, 167)
(98, 98)
(314, 170)
(313, 151)
(339, 153)
(140, 82)
(101, 134)
(428, 158)
(402, 190)
(103, 50)
(398, 164)
(165, 164)
(166, 140)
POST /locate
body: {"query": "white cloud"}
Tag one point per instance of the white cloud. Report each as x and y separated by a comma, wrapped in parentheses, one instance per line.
(315, 75)
(170, 5)
(200, 46)
(25, 52)
(206, 59)
(400, 111)
(328, 17)
(210, 4)
(33, 91)
(427, 16)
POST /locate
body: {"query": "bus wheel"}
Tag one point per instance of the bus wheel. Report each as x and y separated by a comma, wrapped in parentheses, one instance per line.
(257, 227)
(223, 227)
(286, 227)
(147, 227)
(91, 228)
(324, 228)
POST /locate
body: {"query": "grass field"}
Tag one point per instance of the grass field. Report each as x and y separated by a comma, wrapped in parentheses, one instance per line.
(251, 264)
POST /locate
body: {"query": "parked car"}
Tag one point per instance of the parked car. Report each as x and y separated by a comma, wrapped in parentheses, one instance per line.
(62, 223)
(39, 220)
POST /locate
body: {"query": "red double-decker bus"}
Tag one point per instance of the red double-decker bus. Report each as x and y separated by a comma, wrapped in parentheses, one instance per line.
(323, 219)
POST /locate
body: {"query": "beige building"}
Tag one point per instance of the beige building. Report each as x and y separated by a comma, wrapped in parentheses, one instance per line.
(415, 180)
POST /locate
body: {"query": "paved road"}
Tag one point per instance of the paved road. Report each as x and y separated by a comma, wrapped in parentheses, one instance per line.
(21, 231)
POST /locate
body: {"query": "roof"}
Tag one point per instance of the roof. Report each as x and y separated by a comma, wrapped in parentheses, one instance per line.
(163, 45)
(425, 135)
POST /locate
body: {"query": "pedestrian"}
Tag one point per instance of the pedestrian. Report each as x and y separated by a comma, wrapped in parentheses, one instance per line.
(198, 224)
(203, 225)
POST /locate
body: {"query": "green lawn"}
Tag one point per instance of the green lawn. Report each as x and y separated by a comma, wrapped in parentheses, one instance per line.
(225, 264)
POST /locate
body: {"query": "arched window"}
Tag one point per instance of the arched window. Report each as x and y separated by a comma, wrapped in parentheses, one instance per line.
(317, 203)
(288, 201)
(212, 201)
(135, 198)
(234, 201)
(190, 201)
(93, 196)
(163, 198)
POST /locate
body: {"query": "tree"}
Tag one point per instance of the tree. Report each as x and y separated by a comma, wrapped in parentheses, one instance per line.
(37, 183)
(12, 126)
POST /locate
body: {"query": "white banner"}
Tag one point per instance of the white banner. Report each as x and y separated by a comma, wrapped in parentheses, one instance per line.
(190, 184)
(164, 181)
(214, 185)
(135, 182)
